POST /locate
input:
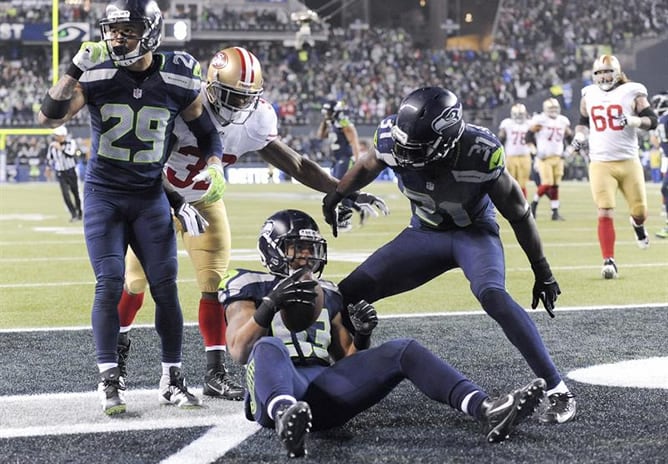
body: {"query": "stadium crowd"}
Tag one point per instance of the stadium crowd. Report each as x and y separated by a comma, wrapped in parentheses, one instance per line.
(536, 46)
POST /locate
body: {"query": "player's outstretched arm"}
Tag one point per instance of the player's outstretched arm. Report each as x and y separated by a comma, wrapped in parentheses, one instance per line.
(510, 202)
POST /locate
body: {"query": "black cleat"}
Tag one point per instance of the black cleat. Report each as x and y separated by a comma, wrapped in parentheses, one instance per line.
(218, 384)
(173, 390)
(111, 391)
(534, 207)
(556, 216)
(293, 422)
(562, 408)
(123, 350)
(501, 415)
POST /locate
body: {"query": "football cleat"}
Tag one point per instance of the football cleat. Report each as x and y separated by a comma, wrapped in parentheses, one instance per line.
(293, 422)
(663, 233)
(218, 384)
(111, 390)
(173, 390)
(501, 415)
(556, 216)
(534, 207)
(609, 270)
(123, 350)
(642, 239)
(562, 408)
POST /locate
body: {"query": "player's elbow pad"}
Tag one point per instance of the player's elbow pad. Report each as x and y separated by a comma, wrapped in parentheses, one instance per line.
(651, 115)
(208, 140)
(584, 121)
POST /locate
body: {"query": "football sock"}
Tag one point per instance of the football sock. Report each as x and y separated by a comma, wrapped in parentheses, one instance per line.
(212, 324)
(606, 237)
(128, 306)
(277, 402)
(522, 332)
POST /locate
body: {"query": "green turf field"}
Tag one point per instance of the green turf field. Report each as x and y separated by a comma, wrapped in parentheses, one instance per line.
(46, 280)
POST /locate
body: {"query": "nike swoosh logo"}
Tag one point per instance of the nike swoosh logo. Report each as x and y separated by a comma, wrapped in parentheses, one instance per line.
(509, 400)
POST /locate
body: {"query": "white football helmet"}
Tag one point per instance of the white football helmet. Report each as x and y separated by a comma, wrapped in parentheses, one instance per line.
(518, 113)
(551, 107)
(234, 84)
(606, 72)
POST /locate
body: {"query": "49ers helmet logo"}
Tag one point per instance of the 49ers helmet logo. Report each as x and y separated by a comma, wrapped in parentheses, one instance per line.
(219, 61)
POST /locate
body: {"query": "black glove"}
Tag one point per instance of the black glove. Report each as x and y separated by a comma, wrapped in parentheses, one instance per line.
(363, 317)
(191, 220)
(365, 204)
(330, 211)
(546, 289)
(287, 292)
(344, 217)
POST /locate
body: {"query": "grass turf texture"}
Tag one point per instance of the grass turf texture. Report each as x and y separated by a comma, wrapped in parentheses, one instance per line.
(47, 280)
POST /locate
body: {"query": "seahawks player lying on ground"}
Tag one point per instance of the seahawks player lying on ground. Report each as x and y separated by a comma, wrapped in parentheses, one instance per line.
(323, 376)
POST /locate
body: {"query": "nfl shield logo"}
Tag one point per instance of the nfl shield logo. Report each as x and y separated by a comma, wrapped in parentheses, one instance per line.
(137, 93)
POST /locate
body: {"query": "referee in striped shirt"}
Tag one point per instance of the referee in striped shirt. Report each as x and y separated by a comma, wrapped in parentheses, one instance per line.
(61, 157)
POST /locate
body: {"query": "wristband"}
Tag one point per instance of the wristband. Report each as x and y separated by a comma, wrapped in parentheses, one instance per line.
(541, 269)
(175, 199)
(54, 109)
(74, 71)
(264, 314)
(361, 342)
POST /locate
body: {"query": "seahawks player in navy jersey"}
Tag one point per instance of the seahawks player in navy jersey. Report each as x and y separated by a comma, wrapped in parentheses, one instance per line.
(133, 95)
(453, 174)
(344, 146)
(323, 376)
(660, 104)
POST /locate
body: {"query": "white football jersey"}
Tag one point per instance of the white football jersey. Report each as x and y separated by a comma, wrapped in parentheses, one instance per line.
(184, 163)
(550, 137)
(515, 133)
(608, 140)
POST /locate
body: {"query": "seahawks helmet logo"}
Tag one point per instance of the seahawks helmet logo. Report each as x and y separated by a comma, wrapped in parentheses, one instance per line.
(448, 118)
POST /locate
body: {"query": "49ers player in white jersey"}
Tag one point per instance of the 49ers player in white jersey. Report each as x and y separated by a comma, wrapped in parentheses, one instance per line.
(549, 131)
(612, 110)
(246, 123)
(512, 133)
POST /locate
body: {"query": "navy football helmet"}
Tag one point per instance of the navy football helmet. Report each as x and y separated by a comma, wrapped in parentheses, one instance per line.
(142, 16)
(428, 125)
(291, 228)
(331, 109)
(660, 103)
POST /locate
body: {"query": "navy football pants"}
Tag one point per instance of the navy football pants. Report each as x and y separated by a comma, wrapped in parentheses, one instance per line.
(339, 392)
(417, 256)
(143, 220)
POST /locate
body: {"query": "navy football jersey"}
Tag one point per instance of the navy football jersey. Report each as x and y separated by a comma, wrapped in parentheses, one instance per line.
(338, 143)
(312, 343)
(452, 192)
(132, 118)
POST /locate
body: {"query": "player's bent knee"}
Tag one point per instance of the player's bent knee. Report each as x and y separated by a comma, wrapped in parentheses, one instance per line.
(208, 281)
(135, 286)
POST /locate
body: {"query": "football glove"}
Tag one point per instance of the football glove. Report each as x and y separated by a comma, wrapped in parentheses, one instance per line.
(191, 220)
(330, 210)
(363, 316)
(215, 176)
(366, 204)
(344, 218)
(90, 54)
(545, 288)
(287, 292)
(628, 120)
(578, 143)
